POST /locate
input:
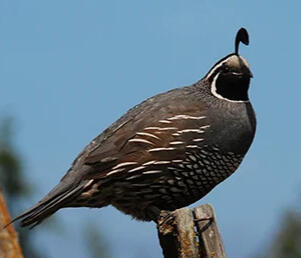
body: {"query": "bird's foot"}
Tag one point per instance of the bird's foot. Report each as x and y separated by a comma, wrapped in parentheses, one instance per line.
(165, 221)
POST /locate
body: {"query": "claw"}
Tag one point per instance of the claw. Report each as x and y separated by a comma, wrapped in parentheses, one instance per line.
(165, 222)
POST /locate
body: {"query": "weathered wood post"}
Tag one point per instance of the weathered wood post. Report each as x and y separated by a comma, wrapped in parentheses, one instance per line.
(190, 234)
(9, 245)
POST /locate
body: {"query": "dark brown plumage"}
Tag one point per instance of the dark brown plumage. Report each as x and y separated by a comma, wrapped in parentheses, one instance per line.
(165, 153)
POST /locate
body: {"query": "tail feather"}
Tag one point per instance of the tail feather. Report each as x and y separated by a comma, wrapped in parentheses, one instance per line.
(48, 205)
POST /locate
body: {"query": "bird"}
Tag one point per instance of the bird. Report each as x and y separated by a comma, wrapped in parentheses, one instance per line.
(165, 153)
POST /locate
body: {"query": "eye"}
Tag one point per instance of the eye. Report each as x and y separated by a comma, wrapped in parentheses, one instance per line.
(226, 68)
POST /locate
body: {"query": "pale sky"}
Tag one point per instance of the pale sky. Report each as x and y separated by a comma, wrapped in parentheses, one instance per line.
(68, 69)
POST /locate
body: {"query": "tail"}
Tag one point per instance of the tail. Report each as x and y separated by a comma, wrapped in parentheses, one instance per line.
(53, 201)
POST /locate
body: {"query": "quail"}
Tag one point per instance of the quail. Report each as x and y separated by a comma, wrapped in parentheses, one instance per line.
(165, 153)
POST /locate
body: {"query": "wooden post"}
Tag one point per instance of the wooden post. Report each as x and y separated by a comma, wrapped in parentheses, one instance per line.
(210, 240)
(9, 245)
(190, 234)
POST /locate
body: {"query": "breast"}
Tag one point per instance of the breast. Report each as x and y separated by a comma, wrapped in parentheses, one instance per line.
(233, 126)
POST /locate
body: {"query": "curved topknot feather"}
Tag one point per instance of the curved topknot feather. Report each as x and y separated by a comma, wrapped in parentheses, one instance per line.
(241, 36)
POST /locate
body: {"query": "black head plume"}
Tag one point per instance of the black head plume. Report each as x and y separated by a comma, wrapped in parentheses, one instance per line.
(241, 36)
(229, 78)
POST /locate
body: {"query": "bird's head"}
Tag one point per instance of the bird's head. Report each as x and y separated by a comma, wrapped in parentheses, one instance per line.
(230, 77)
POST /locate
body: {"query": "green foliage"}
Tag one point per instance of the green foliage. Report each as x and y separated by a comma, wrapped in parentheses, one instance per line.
(11, 176)
(13, 184)
(16, 189)
(287, 242)
(95, 243)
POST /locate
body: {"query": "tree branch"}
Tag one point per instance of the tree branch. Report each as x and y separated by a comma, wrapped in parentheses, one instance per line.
(9, 245)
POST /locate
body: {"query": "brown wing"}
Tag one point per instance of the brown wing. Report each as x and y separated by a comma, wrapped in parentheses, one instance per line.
(156, 136)
(153, 132)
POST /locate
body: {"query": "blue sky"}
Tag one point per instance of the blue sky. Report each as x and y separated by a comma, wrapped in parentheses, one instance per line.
(68, 69)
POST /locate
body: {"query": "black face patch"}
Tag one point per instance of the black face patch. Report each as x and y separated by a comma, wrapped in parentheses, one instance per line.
(233, 86)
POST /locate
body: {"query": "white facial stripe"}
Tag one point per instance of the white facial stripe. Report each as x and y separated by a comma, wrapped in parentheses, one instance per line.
(213, 91)
(215, 68)
(233, 61)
